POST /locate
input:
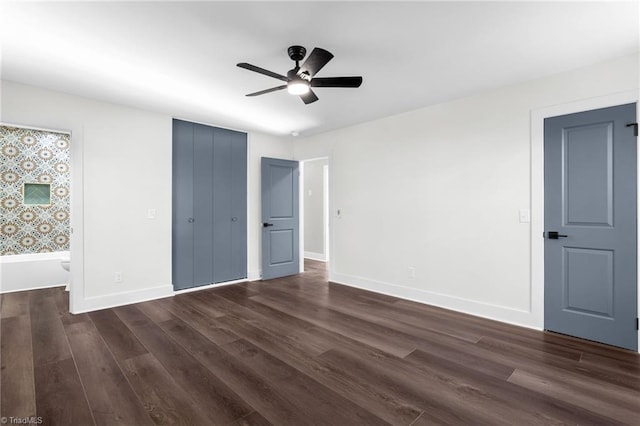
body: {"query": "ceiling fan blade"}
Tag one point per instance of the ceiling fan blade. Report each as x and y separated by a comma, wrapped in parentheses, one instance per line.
(262, 71)
(309, 97)
(336, 82)
(273, 89)
(316, 60)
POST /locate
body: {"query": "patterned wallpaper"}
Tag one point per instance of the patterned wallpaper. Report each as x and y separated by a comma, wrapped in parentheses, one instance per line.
(33, 156)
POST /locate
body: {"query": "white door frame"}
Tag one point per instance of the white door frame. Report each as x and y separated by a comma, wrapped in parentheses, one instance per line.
(537, 186)
(325, 208)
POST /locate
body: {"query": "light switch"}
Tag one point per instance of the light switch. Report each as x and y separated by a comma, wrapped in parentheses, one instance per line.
(151, 214)
(525, 216)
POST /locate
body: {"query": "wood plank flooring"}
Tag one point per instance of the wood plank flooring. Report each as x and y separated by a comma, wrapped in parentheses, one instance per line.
(299, 351)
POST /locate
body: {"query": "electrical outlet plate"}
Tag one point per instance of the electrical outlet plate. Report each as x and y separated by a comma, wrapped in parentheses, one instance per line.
(117, 277)
(412, 272)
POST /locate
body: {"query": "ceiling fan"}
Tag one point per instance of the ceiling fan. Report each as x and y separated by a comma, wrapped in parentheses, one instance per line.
(302, 78)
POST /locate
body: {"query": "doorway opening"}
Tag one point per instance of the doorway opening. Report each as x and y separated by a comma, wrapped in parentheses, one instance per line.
(36, 201)
(315, 235)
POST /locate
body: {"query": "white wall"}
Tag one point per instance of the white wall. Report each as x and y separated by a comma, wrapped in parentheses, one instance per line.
(121, 167)
(439, 189)
(313, 192)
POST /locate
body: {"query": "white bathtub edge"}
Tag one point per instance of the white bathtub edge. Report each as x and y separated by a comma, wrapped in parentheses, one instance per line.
(33, 288)
(23, 272)
(34, 257)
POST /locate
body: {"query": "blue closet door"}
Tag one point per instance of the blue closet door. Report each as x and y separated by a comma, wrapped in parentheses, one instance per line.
(182, 200)
(209, 205)
(203, 252)
(229, 205)
(222, 205)
(239, 205)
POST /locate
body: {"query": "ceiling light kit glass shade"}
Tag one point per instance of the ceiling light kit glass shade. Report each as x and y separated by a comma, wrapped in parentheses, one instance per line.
(298, 87)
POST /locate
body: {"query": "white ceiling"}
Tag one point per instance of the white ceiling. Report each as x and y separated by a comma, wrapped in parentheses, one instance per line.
(179, 58)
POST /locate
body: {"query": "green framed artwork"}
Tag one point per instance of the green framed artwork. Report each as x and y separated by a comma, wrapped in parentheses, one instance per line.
(37, 194)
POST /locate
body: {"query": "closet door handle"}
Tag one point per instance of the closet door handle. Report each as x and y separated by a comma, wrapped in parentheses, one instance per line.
(191, 220)
(234, 219)
(554, 235)
(266, 225)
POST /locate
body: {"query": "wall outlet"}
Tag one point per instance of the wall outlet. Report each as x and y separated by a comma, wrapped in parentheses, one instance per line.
(525, 215)
(412, 272)
(117, 277)
(151, 213)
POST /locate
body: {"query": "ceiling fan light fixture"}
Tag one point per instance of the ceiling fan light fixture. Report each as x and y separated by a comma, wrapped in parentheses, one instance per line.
(302, 78)
(298, 87)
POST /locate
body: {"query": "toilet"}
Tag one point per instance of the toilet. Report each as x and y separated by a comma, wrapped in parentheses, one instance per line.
(66, 265)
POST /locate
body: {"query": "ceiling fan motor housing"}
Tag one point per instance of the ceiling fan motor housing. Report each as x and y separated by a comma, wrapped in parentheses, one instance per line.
(297, 53)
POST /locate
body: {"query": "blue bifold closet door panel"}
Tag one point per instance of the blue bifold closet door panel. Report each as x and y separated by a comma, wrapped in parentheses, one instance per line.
(210, 222)
(182, 201)
(230, 205)
(203, 231)
(222, 207)
(239, 238)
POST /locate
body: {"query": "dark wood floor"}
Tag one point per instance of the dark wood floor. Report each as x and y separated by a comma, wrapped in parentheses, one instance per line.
(299, 351)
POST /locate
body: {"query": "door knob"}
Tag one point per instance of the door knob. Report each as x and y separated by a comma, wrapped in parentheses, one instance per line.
(553, 235)
(234, 219)
(266, 225)
(191, 220)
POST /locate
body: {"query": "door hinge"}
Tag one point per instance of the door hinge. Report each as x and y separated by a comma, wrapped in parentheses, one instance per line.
(637, 324)
(635, 128)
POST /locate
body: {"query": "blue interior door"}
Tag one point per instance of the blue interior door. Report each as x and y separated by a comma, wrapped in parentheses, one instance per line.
(590, 221)
(280, 218)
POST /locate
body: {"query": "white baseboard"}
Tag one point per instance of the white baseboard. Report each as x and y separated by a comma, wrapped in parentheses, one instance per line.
(495, 312)
(90, 304)
(315, 256)
(472, 307)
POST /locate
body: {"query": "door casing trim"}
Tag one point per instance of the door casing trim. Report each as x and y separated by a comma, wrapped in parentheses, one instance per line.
(537, 187)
